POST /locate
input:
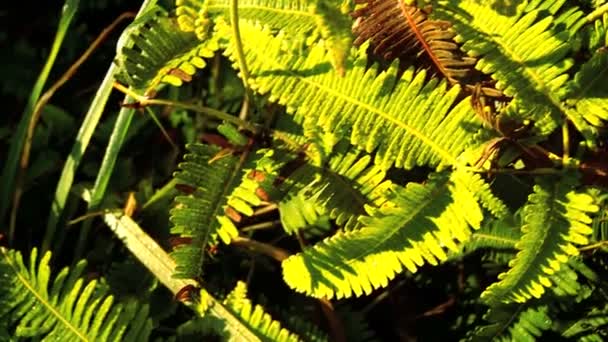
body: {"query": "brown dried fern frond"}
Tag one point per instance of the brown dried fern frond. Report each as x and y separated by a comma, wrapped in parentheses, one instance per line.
(399, 31)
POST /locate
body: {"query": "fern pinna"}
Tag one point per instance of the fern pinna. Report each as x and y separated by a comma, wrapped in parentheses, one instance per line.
(36, 305)
(375, 135)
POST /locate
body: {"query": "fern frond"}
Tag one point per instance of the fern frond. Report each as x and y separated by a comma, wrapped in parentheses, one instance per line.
(156, 52)
(414, 227)
(555, 218)
(400, 31)
(496, 235)
(343, 187)
(301, 213)
(68, 309)
(419, 123)
(513, 323)
(255, 317)
(524, 54)
(201, 215)
(305, 21)
(588, 93)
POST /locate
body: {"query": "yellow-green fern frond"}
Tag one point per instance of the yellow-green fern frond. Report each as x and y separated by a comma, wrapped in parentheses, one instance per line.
(343, 187)
(524, 53)
(304, 214)
(260, 322)
(201, 216)
(156, 51)
(407, 121)
(555, 219)
(305, 21)
(413, 228)
(63, 308)
(495, 236)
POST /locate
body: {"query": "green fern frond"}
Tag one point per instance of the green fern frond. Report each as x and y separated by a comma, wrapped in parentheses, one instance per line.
(343, 187)
(156, 52)
(497, 235)
(68, 309)
(301, 213)
(201, 215)
(588, 92)
(419, 123)
(255, 317)
(524, 53)
(305, 21)
(513, 323)
(414, 227)
(555, 218)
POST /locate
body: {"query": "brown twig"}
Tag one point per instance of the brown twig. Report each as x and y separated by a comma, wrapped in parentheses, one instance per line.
(44, 99)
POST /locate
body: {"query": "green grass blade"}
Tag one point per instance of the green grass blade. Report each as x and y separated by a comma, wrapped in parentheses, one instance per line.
(69, 169)
(12, 163)
(121, 127)
(82, 140)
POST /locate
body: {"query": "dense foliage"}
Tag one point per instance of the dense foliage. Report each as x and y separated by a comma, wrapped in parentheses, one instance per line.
(331, 169)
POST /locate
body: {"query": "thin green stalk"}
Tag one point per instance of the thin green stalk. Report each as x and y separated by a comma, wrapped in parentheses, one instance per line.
(214, 113)
(161, 193)
(82, 141)
(121, 127)
(44, 99)
(240, 54)
(12, 162)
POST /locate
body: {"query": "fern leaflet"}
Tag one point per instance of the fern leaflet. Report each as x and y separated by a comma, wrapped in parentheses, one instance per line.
(555, 218)
(68, 310)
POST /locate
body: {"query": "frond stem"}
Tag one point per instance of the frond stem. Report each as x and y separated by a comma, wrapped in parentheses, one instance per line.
(593, 246)
(260, 226)
(145, 101)
(276, 253)
(240, 54)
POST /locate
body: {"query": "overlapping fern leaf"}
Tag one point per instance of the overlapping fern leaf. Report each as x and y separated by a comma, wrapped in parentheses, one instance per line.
(200, 217)
(419, 122)
(304, 21)
(525, 53)
(342, 187)
(555, 219)
(412, 229)
(156, 51)
(63, 308)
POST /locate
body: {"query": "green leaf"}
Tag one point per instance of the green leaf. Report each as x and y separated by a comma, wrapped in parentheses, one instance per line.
(65, 308)
(555, 219)
(413, 228)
